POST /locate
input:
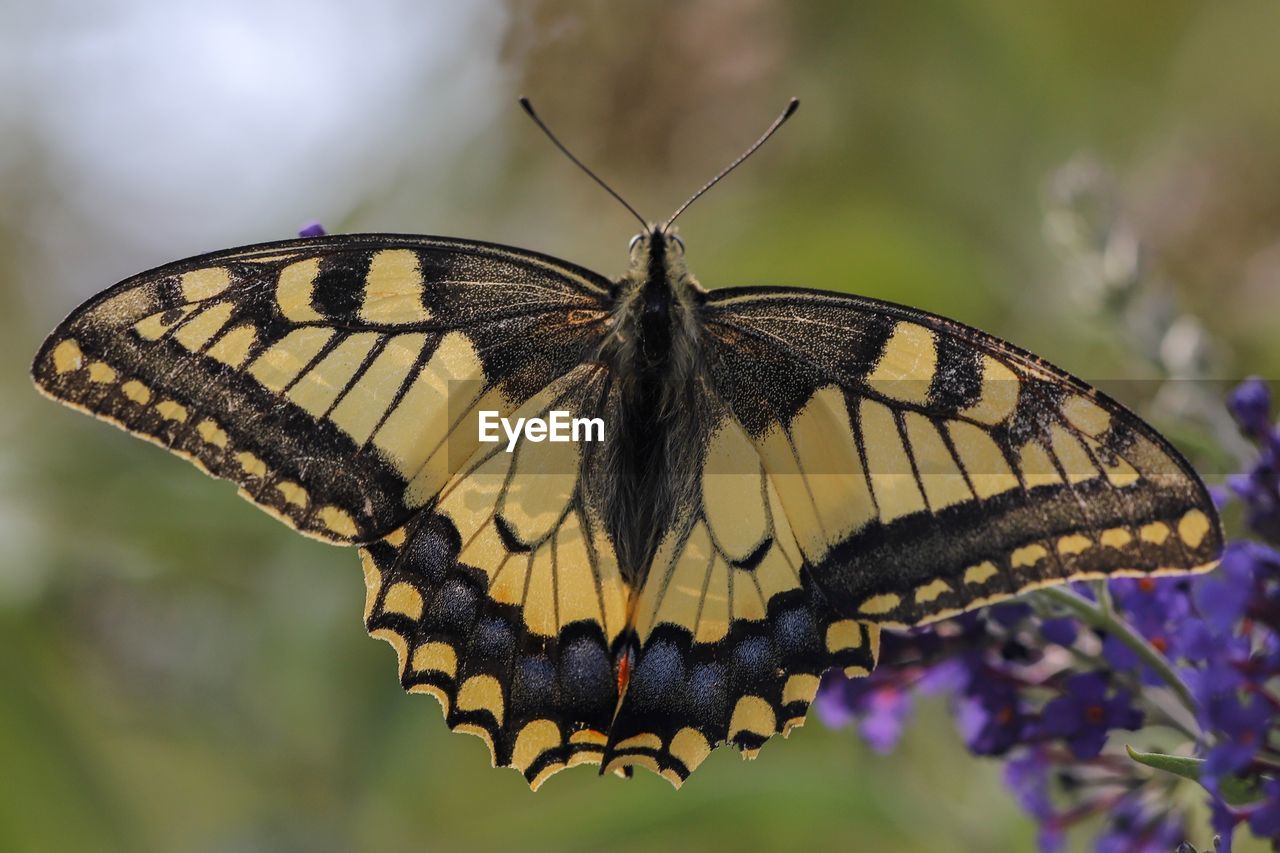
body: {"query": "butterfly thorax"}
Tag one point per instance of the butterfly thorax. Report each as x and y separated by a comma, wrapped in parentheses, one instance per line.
(654, 355)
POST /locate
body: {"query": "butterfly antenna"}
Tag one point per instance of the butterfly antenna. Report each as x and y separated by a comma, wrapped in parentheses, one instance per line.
(764, 137)
(528, 108)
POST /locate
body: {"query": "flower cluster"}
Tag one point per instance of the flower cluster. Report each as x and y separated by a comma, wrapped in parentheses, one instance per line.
(1191, 663)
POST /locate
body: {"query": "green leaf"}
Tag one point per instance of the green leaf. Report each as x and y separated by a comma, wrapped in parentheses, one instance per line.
(1187, 768)
(1235, 790)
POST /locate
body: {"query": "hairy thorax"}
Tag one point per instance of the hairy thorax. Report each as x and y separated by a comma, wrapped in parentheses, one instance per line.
(648, 471)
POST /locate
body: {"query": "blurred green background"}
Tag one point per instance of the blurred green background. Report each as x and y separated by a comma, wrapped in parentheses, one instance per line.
(178, 671)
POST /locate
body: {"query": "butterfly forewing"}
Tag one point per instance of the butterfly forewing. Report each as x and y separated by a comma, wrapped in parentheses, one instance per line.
(929, 468)
(336, 380)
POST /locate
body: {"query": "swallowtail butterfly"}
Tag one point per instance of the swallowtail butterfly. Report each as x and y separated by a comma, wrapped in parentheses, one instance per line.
(783, 472)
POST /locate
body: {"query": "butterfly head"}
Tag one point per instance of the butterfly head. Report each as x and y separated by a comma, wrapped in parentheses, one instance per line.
(656, 244)
(657, 265)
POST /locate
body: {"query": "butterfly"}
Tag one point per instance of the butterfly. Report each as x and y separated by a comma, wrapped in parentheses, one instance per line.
(779, 474)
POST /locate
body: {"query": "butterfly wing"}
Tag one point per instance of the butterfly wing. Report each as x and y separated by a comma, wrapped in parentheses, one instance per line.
(336, 380)
(930, 468)
(861, 464)
(868, 465)
(731, 640)
(504, 600)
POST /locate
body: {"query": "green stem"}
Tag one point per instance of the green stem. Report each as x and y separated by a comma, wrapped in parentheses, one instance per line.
(1104, 619)
(1103, 591)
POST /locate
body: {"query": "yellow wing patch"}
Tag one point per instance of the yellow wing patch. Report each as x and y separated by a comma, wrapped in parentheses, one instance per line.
(393, 289)
(905, 368)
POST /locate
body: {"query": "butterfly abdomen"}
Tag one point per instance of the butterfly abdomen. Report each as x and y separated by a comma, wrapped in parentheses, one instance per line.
(653, 436)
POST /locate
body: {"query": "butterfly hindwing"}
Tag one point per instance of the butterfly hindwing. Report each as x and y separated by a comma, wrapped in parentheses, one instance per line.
(731, 642)
(504, 600)
(334, 379)
(933, 468)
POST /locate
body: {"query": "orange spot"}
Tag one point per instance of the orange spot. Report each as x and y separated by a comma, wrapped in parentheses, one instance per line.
(1095, 714)
(723, 335)
(1147, 585)
(1160, 644)
(578, 317)
(624, 672)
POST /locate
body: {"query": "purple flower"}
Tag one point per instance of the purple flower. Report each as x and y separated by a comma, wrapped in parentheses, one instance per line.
(885, 717)
(837, 697)
(1085, 713)
(1223, 596)
(1259, 488)
(991, 717)
(1241, 728)
(1260, 491)
(1060, 631)
(1119, 655)
(948, 676)
(1133, 828)
(1223, 819)
(1009, 615)
(1152, 601)
(1217, 681)
(1027, 777)
(879, 707)
(1264, 819)
(312, 229)
(1050, 838)
(1250, 405)
(1196, 641)
(1156, 607)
